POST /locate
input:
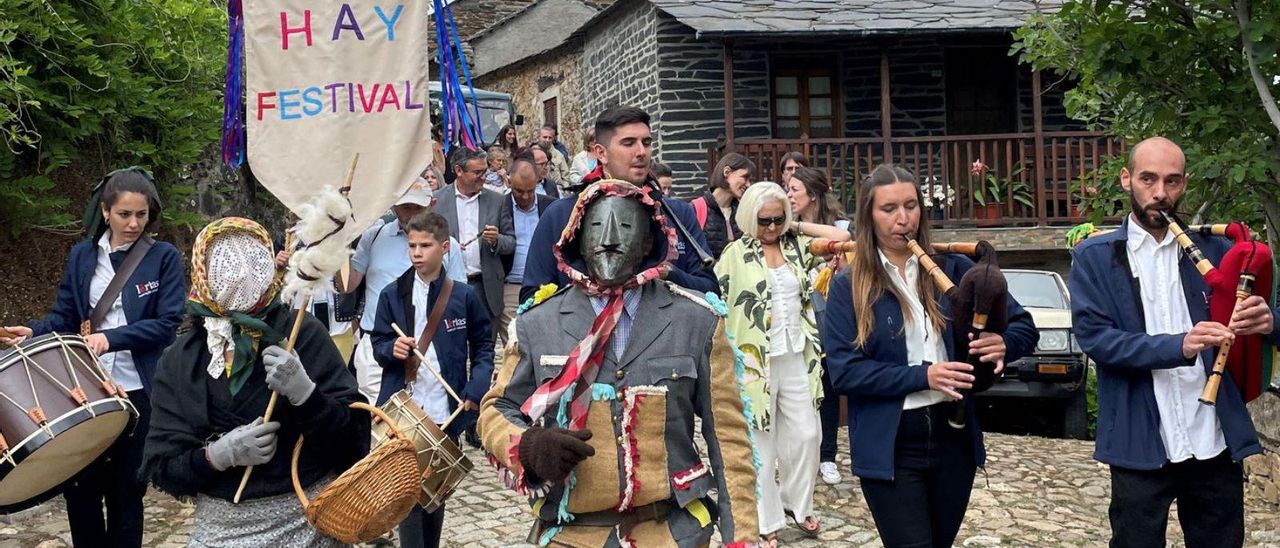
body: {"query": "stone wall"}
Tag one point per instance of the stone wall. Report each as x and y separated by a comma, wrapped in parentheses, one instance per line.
(619, 63)
(1264, 470)
(691, 100)
(529, 80)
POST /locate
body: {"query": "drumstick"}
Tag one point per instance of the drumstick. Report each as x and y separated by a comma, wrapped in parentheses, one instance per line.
(437, 374)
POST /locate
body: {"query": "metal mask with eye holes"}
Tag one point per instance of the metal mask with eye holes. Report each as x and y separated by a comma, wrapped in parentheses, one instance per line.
(614, 239)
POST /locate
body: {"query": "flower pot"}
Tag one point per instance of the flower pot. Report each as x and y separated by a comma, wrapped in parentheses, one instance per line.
(936, 214)
(988, 215)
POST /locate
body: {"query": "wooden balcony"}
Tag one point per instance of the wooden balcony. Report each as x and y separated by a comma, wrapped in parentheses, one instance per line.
(1043, 170)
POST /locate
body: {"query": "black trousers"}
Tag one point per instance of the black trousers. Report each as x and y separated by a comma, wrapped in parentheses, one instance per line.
(422, 529)
(924, 504)
(1210, 495)
(830, 415)
(111, 480)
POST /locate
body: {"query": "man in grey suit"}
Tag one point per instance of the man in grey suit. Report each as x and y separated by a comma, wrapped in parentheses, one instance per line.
(592, 414)
(475, 220)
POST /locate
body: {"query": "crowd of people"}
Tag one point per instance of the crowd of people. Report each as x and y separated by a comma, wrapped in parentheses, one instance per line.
(591, 274)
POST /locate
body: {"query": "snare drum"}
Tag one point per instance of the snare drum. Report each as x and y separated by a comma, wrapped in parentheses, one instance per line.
(441, 461)
(58, 412)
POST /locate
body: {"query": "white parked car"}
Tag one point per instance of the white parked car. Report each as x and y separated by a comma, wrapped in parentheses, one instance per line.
(1058, 369)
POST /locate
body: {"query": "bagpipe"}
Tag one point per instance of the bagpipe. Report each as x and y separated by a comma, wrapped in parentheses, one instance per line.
(979, 302)
(1246, 269)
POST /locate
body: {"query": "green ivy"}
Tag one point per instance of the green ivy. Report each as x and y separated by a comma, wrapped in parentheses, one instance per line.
(104, 83)
(1176, 69)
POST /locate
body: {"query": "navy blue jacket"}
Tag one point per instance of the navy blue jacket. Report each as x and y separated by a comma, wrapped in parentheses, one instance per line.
(876, 376)
(1108, 320)
(540, 267)
(153, 299)
(464, 332)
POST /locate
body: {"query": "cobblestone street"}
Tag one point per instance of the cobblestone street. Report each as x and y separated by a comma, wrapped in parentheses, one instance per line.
(1036, 492)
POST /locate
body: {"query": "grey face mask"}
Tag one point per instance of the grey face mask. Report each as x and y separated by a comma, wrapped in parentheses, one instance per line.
(614, 239)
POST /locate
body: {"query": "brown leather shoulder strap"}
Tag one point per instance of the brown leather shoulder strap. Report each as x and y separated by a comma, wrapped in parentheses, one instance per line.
(131, 261)
(433, 322)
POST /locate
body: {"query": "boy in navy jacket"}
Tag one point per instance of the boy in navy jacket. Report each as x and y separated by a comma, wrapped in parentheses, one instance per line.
(1140, 310)
(463, 333)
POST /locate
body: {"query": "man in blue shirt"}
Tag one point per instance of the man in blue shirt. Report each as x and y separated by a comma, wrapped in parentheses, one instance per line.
(382, 255)
(624, 146)
(523, 209)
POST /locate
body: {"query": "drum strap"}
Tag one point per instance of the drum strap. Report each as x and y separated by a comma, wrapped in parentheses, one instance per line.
(433, 321)
(126, 269)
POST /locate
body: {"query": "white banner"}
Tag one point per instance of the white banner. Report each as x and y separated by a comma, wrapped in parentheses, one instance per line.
(325, 80)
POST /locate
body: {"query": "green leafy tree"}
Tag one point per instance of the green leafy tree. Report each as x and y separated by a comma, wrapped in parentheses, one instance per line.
(1200, 72)
(104, 83)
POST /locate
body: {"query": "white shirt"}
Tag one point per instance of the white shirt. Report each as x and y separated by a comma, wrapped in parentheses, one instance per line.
(427, 391)
(119, 365)
(785, 336)
(924, 343)
(1187, 428)
(469, 230)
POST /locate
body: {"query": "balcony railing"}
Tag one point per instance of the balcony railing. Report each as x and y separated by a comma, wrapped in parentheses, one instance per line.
(1034, 180)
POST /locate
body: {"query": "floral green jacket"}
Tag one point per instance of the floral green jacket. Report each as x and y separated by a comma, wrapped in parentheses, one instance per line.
(744, 284)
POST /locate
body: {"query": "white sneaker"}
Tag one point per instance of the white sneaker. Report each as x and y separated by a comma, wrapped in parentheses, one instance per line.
(829, 472)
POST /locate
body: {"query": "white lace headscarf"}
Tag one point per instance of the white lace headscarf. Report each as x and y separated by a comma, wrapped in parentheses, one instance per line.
(241, 270)
(239, 276)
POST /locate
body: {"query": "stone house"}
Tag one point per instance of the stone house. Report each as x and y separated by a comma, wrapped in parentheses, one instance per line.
(925, 83)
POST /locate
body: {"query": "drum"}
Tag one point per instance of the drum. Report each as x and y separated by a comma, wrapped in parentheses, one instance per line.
(441, 461)
(58, 412)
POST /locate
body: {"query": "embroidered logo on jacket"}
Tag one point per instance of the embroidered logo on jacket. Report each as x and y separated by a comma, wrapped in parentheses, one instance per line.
(147, 288)
(453, 325)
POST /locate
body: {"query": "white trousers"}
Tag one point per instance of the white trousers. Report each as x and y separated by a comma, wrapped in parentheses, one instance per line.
(789, 449)
(368, 372)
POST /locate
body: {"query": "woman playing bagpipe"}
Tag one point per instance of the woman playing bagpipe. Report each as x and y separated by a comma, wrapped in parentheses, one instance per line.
(122, 291)
(884, 334)
(215, 381)
(1146, 316)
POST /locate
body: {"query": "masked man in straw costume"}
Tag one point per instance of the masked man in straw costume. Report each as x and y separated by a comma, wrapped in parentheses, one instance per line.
(592, 415)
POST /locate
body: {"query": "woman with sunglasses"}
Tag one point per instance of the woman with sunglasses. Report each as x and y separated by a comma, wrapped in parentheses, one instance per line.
(764, 275)
(128, 333)
(883, 332)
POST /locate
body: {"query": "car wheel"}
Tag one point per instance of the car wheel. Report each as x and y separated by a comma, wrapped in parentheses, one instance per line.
(1075, 415)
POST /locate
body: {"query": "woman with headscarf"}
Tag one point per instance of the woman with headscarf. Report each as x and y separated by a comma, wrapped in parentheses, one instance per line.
(764, 275)
(213, 386)
(127, 334)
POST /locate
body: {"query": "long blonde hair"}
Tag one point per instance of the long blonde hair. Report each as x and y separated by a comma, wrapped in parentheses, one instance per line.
(868, 276)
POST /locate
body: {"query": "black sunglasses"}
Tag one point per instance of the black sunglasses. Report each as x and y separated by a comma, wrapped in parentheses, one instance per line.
(771, 221)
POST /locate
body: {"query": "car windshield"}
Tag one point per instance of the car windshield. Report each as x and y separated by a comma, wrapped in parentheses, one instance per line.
(493, 115)
(1035, 290)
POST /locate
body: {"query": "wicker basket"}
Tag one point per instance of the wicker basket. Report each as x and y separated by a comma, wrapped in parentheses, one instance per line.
(369, 499)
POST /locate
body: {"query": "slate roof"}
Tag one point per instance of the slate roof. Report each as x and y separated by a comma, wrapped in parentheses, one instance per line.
(776, 17)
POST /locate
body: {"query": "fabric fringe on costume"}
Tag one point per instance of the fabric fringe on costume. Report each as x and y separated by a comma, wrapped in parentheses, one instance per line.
(739, 372)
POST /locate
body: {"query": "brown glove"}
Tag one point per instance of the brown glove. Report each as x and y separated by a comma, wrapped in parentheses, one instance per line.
(551, 453)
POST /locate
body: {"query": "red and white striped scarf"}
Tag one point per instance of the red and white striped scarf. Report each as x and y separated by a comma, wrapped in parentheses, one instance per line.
(584, 361)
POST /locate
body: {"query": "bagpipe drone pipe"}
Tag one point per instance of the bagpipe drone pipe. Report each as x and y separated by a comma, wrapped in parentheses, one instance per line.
(979, 302)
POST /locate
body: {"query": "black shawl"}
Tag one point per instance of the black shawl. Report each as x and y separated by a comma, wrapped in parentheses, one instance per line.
(190, 409)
